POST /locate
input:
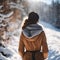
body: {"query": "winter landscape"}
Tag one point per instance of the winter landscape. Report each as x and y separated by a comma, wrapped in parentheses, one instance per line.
(10, 30)
(53, 39)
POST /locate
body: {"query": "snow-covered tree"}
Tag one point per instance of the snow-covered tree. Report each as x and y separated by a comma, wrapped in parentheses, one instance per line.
(11, 16)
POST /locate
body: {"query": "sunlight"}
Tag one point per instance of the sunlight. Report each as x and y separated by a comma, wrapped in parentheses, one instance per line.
(45, 1)
(35, 0)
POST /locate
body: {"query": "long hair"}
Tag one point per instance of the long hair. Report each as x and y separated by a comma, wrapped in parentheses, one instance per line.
(32, 19)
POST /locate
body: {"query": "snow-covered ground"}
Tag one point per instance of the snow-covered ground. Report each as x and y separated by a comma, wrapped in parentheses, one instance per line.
(53, 40)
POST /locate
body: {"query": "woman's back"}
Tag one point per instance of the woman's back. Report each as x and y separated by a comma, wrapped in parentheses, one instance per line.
(32, 39)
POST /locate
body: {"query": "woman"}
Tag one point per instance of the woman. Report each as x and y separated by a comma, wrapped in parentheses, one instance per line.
(33, 45)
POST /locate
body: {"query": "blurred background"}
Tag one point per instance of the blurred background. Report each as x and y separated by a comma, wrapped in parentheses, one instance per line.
(12, 15)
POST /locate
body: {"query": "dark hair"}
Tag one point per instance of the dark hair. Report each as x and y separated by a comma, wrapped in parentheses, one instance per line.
(32, 19)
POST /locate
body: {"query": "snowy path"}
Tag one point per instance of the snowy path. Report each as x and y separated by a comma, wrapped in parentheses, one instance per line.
(53, 39)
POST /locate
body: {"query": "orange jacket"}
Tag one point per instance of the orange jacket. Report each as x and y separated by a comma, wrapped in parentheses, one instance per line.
(37, 42)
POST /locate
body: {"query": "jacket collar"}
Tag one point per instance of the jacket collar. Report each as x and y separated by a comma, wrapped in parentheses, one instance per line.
(32, 30)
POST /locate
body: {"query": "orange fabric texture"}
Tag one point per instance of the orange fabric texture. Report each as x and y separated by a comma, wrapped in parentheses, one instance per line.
(33, 44)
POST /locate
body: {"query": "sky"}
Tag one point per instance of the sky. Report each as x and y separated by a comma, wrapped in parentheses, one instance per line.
(46, 1)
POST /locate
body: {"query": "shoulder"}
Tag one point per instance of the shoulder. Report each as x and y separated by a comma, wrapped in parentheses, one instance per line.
(40, 26)
(42, 33)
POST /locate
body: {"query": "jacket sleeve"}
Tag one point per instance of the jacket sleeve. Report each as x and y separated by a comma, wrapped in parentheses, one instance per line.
(21, 46)
(44, 46)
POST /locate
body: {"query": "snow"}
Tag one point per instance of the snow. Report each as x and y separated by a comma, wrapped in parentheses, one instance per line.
(10, 51)
(17, 6)
(53, 40)
(1, 6)
(4, 16)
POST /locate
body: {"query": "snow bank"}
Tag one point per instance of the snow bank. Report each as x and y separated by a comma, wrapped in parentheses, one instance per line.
(53, 40)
